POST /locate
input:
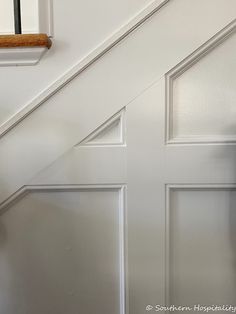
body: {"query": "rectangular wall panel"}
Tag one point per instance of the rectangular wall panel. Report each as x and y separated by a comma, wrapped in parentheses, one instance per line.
(202, 245)
(61, 252)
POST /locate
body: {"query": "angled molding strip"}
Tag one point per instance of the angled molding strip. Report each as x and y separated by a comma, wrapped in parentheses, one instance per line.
(97, 53)
(26, 189)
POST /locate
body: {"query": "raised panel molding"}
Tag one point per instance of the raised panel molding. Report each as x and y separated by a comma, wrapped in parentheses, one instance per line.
(119, 221)
(174, 88)
(112, 132)
(200, 238)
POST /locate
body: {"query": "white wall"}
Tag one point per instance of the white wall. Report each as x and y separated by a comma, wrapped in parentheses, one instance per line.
(79, 27)
(29, 10)
(6, 17)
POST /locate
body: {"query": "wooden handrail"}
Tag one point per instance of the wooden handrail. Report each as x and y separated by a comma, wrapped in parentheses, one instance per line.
(25, 40)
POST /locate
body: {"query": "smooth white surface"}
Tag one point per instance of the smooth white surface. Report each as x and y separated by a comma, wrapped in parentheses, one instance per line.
(21, 56)
(97, 165)
(57, 257)
(145, 200)
(45, 17)
(30, 16)
(204, 96)
(6, 17)
(202, 245)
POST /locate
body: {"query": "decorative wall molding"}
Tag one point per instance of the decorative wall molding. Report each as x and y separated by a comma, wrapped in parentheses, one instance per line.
(121, 189)
(96, 54)
(110, 133)
(178, 70)
(181, 187)
(26, 189)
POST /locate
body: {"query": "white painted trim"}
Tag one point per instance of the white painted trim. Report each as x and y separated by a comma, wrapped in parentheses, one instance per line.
(82, 65)
(183, 187)
(203, 140)
(122, 250)
(118, 117)
(21, 56)
(201, 186)
(45, 13)
(177, 71)
(25, 189)
(123, 260)
(167, 245)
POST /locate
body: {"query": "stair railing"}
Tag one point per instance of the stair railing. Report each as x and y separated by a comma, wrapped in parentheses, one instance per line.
(17, 16)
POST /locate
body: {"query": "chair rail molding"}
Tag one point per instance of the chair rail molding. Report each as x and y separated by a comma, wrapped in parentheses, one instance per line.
(82, 65)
